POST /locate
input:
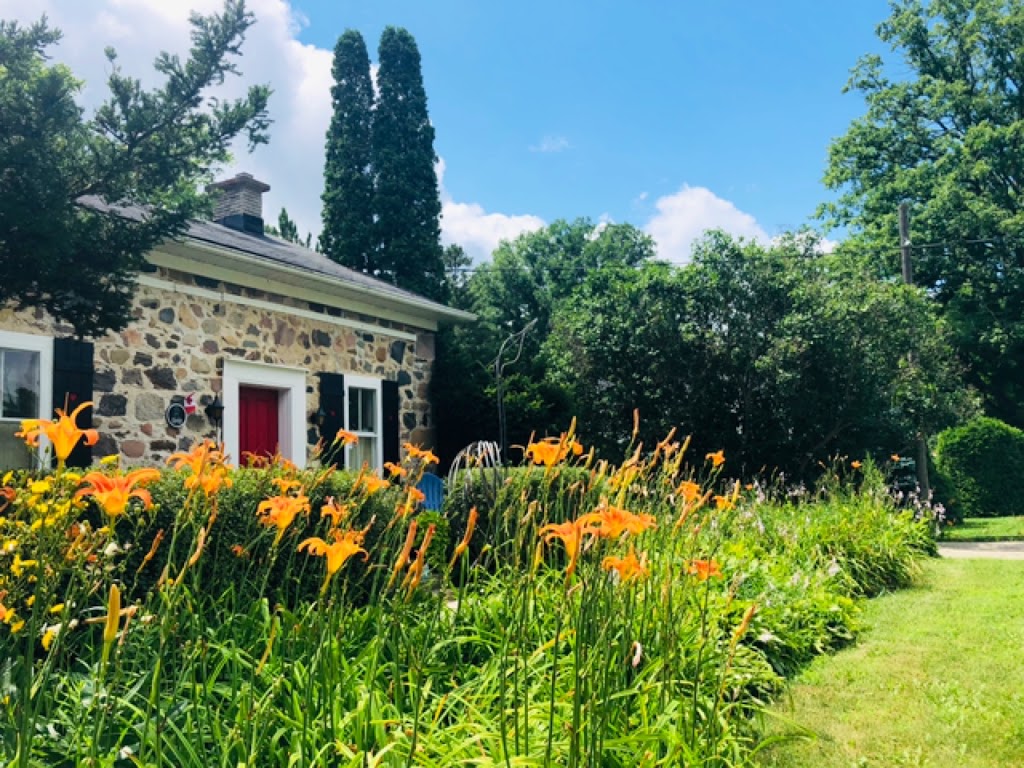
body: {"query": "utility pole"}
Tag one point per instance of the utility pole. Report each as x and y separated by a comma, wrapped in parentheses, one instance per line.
(908, 279)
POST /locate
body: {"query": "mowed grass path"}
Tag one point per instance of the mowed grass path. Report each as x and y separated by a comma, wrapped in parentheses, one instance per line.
(936, 680)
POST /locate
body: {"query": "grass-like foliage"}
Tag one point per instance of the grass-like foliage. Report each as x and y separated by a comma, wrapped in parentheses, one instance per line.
(577, 614)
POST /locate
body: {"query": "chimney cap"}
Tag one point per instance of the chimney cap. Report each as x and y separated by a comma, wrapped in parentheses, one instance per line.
(244, 180)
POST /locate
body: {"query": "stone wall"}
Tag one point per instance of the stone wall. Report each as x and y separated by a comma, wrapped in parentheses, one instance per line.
(178, 341)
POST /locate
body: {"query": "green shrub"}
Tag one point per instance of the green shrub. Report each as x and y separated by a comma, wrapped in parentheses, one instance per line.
(984, 461)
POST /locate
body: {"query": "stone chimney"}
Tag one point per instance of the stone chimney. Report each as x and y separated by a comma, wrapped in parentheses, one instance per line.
(238, 203)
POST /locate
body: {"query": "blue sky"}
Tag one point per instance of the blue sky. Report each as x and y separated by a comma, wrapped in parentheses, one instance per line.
(668, 115)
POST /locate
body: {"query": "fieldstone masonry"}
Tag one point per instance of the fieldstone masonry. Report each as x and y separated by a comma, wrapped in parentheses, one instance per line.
(177, 344)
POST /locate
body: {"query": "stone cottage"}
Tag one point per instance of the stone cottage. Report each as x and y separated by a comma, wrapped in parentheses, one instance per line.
(236, 336)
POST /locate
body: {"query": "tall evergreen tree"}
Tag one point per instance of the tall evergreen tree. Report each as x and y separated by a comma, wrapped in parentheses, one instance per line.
(347, 235)
(407, 204)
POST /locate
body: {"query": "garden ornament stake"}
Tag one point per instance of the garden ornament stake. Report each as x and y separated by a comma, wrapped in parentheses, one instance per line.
(499, 372)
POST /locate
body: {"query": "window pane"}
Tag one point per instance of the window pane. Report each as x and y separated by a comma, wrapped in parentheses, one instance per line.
(363, 452)
(369, 410)
(14, 454)
(362, 410)
(20, 384)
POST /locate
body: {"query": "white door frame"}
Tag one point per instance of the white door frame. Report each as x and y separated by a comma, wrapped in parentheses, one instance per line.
(291, 408)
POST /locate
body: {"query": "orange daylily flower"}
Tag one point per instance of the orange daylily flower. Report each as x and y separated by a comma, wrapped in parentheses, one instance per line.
(415, 574)
(371, 483)
(345, 545)
(613, 521)
(717, 458)
(64, 434)
(208, 465)
(112, 493)
(895, 457)
(395, 470)
(415, 452)
(690, 491)
(723, 503)
(413, 497)
(704, 569)
(629, 568)
(280, 511)
(285, 484)
(464, 544)
(345, 437)
(552, 450)
(571, 535)
(856, 464)
(335, 510)
(403, 556)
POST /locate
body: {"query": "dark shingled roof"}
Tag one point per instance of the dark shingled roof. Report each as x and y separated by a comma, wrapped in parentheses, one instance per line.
(281, 252)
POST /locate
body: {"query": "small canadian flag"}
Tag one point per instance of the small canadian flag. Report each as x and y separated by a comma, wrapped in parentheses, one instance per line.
(190, 403)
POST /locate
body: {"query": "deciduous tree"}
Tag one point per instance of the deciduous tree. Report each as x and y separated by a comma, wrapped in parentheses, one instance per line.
(66, 244)
(943, 131)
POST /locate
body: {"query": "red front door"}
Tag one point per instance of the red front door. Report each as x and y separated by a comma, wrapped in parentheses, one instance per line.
(257, 416)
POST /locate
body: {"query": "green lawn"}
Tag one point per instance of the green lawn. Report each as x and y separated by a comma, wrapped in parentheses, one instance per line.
(986, 529)
(936, 681)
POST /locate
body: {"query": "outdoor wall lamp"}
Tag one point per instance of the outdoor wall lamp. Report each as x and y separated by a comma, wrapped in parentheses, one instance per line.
(215, 412)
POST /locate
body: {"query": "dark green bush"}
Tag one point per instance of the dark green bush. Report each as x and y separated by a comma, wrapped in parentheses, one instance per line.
(983, 461)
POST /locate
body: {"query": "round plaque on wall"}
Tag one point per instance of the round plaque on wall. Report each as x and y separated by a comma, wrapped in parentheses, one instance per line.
(175, 415)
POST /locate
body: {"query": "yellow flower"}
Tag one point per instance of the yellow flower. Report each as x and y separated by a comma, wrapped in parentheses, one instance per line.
(112, 493)
(18, 566)
(64, 434)
(113, 615)
(629, 568)
(280, 511)
(344, 546)
(717, 458)
(48, 636)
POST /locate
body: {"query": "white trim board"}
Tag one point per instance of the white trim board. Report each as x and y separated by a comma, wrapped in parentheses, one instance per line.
(44, 346)
(229, 298)
(291, 413)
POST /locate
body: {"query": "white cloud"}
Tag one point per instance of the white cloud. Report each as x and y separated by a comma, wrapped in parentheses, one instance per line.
(683, 217)
(476, 230)
(299, 74)
(551, 144)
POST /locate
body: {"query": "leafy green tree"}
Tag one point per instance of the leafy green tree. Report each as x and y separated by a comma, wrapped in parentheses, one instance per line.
(776, 355)
(943, 131)
(407, 205)
(65, 245)
(525, 282)
(347, 235)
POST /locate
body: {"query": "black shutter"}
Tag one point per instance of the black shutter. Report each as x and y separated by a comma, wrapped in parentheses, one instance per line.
(72, 386)
(332, 405)
(389, 433)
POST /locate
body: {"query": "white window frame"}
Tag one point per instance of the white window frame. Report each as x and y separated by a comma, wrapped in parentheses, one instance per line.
(290, 384)
(366, 382)
(44, 346)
